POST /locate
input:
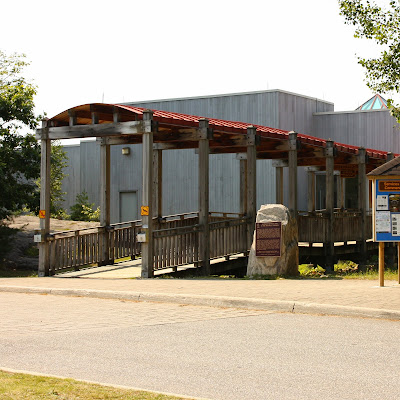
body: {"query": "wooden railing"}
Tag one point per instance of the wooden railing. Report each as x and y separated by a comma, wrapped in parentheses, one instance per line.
(228, 236)
(177, 241)
(176, 238)
(176, 246)
(313, 227)
(85, 247)
(122, 239)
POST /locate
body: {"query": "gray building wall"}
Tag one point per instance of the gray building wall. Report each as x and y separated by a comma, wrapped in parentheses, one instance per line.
(273, 108)
(375, 129)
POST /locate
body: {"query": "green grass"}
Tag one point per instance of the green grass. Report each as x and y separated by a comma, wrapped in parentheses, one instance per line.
(16, 386)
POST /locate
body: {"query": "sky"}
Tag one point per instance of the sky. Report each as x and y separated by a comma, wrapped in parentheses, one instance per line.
(128, 50)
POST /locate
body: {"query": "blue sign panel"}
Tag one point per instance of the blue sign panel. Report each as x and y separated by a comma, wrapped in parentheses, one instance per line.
(387, 210)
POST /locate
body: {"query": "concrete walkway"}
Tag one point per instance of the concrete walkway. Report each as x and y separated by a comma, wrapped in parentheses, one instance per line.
(343, 297)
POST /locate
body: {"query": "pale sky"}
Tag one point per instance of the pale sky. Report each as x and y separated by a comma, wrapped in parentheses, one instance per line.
(118, 51)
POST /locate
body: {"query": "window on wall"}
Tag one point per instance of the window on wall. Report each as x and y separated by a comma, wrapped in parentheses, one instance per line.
(320, 190)
(128, 206)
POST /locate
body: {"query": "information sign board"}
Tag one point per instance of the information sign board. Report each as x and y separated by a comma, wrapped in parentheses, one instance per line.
(268, 239)
(387, 210)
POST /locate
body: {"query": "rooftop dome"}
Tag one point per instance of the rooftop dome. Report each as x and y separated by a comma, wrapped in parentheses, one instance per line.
(374, 103)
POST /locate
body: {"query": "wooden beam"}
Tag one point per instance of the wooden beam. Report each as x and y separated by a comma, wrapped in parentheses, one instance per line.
(251, 183)
(72, 117)
(147, 198)
(99, 130)
(44, 245)
(204, 197)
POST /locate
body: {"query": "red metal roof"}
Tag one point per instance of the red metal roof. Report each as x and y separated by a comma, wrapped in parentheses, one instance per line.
(219, 125)
(241, 127)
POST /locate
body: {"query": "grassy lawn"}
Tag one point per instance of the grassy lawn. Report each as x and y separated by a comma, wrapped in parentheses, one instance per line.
(16, 386)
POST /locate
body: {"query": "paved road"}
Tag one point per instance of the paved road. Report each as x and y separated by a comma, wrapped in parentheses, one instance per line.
(201, 351)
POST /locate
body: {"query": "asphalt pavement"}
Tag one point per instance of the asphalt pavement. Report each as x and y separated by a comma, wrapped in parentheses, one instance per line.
(207, 352)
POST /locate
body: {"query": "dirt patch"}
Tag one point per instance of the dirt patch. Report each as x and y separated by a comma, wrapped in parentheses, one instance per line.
(23, 251)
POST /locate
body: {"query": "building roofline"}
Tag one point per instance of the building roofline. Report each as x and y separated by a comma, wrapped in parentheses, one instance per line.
(227, 95)
(350, 112)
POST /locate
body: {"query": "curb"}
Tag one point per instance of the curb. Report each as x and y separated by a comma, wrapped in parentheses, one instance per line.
(282, 306)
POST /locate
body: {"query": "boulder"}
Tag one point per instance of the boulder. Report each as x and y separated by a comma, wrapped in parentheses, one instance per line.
(288, 262)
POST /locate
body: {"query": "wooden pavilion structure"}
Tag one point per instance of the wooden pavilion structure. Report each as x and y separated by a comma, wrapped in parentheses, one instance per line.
(170, 241)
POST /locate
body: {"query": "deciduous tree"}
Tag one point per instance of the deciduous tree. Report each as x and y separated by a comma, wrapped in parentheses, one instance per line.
(382, 25)
(19, 151)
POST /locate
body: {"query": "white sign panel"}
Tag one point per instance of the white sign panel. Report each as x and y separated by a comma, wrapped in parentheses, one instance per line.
(382, 221)
(382, 202)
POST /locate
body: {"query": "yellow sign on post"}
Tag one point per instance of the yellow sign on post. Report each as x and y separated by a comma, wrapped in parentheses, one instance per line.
(144, 210)
(42, 214)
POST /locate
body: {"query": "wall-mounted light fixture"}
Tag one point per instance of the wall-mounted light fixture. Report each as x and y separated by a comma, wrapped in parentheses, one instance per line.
(126, 151)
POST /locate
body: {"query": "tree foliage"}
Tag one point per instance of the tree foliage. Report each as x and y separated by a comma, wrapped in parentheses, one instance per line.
(19, 150)
(382, 25)
(58, 161)
(83, 210)
(19, 153)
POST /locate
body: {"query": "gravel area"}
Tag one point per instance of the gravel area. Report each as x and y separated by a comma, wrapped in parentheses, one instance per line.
(22, 248)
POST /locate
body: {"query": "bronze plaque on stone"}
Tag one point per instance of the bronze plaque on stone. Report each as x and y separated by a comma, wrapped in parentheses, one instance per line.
(268, 239)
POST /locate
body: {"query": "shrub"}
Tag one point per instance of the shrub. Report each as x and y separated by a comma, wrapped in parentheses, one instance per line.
(82, 210)
(309, 270)
(346, 267)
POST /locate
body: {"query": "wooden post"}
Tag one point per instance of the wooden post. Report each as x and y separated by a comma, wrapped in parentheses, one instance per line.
(398, 262)
(157, 183)
(44, 245)
(381, 264)
(293, 173)
(204, 151)
(330, 203)
(105, 202)
(342, 192)
(251, 183)
(243, 185)
(279, 185)
(147, 195)
(311, 188)
(279, 165)
(362, 201)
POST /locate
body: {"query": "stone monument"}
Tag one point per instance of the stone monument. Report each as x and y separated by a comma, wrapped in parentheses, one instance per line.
(276, 233)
